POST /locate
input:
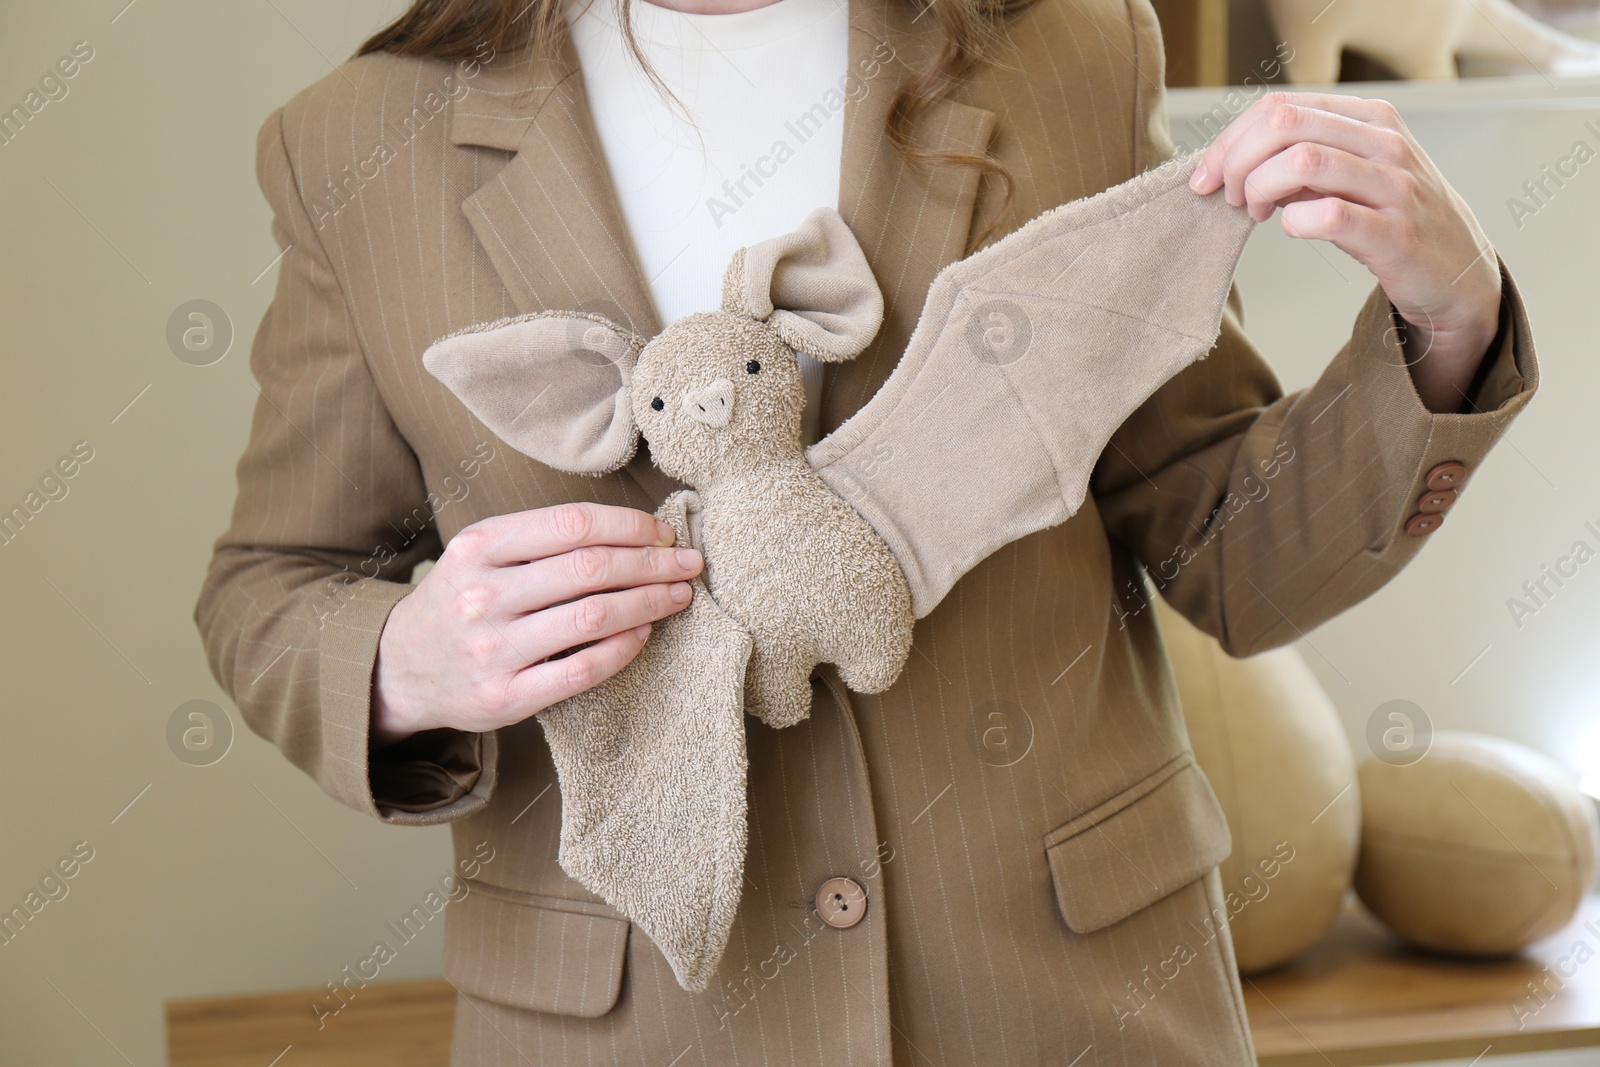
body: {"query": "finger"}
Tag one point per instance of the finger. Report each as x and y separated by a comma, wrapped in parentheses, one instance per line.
(1208, 176)
(1309, 171)
(592, 569)
(1371, 112)
(566, 626)
(1374, 112)
(1356, 229)
(1291, 125)
(1281, 119)
(528, 535)
(543, 684)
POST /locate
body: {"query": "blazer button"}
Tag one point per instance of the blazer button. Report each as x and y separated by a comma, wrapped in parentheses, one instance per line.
(1424, 524)
(841, 903)
(1437, 503)
(1446, 475)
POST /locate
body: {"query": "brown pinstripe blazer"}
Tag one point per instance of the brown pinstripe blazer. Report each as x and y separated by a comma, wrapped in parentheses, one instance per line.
(1037, 846)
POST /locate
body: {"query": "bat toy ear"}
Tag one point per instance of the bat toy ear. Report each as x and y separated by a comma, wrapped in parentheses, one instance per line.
(813, 286)
(554, 386)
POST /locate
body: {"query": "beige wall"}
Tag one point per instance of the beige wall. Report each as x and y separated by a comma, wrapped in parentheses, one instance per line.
(220, 878)
(134, 194)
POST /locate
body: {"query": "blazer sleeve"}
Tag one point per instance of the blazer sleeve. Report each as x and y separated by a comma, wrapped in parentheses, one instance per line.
(1258, 515)
(330, 518)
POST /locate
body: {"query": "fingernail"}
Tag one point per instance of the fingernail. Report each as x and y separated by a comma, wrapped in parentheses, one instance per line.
(1198, 179)
(665, 534)
(680, 592)
(642, 632)
(688, 559)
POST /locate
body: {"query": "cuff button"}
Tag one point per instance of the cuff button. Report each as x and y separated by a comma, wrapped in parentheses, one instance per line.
(1437, 502)
(1448, 475)
(1423, 524)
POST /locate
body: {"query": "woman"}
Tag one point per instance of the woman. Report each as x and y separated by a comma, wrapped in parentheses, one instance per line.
(1052, 899)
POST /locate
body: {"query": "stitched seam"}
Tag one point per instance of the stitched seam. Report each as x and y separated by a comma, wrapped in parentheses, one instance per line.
(1098, 307)
(305, 211)
(1139, 93)
(1122, 800)
(1230, 979)
(520, 898)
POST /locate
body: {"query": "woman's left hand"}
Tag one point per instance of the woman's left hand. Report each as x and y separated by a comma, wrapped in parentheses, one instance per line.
(1347, 171)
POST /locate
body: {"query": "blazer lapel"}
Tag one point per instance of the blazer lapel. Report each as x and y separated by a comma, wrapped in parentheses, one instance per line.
(911, 219)
(550, 222)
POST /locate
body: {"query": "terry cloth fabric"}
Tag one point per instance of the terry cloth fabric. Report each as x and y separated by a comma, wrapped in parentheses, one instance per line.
(1027, 357)
(652, 770)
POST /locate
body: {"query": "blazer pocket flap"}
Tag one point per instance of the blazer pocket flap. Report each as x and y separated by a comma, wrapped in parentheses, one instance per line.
(1146, 842)
(535, 952)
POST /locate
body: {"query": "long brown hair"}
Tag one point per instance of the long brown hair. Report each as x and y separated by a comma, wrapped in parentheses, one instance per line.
(465, 29)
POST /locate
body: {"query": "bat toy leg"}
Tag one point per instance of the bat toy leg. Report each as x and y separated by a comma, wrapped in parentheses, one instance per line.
(778, 685)
(874, 659)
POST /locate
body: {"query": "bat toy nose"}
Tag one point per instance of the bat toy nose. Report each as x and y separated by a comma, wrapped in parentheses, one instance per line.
(711, 404)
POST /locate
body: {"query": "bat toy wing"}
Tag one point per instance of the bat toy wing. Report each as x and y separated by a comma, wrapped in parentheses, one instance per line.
(1028, 356)
(652, 769)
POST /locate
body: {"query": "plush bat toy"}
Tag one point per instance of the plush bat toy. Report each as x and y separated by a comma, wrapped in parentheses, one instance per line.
(1028, 355)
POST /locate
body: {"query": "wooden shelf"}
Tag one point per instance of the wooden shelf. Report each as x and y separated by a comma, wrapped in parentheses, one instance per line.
(393, 1024)
(1196, 33)
(1358, 998)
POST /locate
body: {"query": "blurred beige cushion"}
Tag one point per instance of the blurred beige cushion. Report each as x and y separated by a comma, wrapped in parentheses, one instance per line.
(1478, 849)
(1269, 740)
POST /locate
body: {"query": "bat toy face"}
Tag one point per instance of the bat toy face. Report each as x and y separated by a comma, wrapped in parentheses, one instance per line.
(718, 394)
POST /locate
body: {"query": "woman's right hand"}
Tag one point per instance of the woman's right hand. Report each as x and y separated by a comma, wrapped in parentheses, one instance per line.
(470, 647)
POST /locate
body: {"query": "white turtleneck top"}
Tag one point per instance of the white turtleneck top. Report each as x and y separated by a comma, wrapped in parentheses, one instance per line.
(758, 150)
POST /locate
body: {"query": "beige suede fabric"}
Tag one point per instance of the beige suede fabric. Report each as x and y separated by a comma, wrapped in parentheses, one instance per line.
(1028, 356)
(827, 306)
(552, 385)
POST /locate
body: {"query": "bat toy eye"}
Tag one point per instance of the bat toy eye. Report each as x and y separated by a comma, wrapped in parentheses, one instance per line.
(753, 367)
(657, 404)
